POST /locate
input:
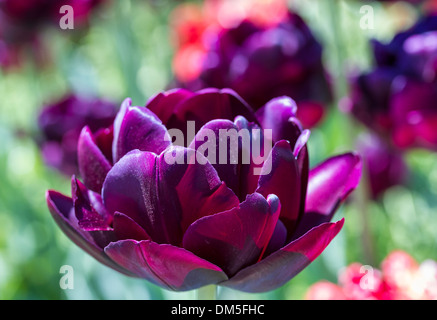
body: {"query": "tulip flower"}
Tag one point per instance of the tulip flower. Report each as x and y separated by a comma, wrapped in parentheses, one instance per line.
(61, 122)
(186, 214)
(396, 98)
(258, 60)
(22, 21)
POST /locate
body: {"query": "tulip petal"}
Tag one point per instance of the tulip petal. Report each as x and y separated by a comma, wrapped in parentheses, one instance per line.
(278, 240)
(103, 139)
(219, 142)
(329, 184)
(282, 265)
(93, 165)
(117, 124)
(236, 238)
(164, 103)
(279, 115)
(130, 187)
(209, 104)
(126, 228)
(165, 265)
(194, 181)
(251, 163)
(280, 176)
(158, 192)
(90, 212)
(139, 129)
(302, 158)
(331, 181)
(61, 209)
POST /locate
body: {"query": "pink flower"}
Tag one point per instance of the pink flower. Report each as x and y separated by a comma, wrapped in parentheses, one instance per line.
(400, 278)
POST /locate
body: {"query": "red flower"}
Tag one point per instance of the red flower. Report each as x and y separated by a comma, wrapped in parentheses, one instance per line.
(400, 278)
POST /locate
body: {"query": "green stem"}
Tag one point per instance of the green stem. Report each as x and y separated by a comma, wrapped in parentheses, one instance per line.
(362, 201)
(207, 293)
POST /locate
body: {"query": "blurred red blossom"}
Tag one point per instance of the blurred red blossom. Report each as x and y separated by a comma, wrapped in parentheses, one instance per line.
(401, 277)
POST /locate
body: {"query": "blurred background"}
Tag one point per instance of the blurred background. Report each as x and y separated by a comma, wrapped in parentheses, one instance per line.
(126, 49)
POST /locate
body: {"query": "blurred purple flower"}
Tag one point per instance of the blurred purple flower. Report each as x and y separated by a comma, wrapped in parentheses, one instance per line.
(385, 166)
(186, 224)
(60, 124)
(22, 21)
(36, 12)
(397, 98)
(261, 63)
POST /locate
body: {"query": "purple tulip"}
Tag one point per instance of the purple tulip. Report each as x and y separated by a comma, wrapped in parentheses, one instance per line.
(175, 216)
(397, 98)
(22, 21)
(60, 124)
(261, 63)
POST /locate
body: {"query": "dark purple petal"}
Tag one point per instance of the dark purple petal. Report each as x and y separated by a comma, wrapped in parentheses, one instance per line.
(159, 195)
(91, 214)
(280, 176)
(194, 182)
(93, 165)
(164, 103)
(61, 209)
(118, 121)
(236, 238)
(282, 265)
(251, 163)
(104, 138)
(329, 184)
(218, 140)
(89, 209)
(141, 129)
(301, 142)
(279, 115)
(126, 228)
(278, 239)
(331, 181)
(131, 188)
(210, 104)
(165, 265)
(302, 157)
